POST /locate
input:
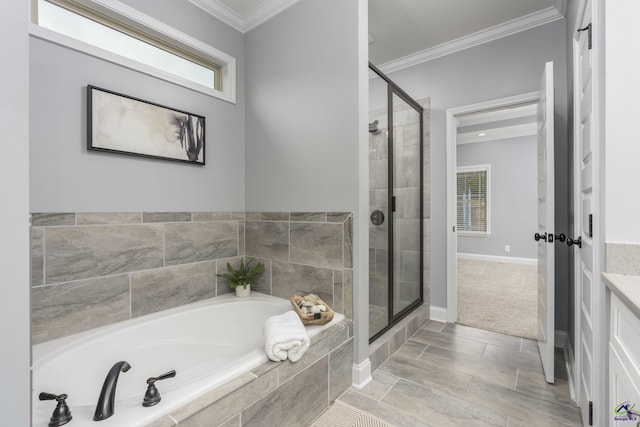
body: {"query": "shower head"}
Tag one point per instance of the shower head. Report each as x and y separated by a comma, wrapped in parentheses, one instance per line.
(373, 127)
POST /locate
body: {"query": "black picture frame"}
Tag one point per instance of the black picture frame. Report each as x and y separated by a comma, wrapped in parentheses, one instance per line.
(118, 123)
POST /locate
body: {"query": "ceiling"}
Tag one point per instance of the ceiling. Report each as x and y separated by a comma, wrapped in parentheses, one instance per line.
(405, 32)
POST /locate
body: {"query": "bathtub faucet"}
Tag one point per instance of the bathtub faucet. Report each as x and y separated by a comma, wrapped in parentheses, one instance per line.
(105, 406)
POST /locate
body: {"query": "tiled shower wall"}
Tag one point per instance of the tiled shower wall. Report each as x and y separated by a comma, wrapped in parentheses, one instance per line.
(407, 215)
(94, 269)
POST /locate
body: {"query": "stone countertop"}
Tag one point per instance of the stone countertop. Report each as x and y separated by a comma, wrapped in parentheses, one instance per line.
(626, 288)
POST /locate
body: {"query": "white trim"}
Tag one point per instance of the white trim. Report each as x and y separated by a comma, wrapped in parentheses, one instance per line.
(221, 12)
(497, 258)
(473, 234)
(514, 26)
(577, 270)
(262, 13)
(439, 314)
(497, 133)
(147, 24)
(361, 373)
(452, 221)
(561, 6)
(451, 167)
(360, 290)
(599, 320)
(498, 115)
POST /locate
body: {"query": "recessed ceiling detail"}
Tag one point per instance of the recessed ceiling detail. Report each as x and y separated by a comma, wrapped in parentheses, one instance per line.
(243, 15)
(403, 33)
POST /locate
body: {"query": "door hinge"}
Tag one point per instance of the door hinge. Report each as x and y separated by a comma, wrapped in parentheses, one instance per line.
(590, 413)
(588, 29)
(393, 203)
(590, 225)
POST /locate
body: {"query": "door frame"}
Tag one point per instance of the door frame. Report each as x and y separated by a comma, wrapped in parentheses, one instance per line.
(600, 315)
(451, 164)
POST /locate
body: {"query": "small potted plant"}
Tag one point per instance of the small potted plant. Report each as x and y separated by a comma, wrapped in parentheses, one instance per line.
(242, 277)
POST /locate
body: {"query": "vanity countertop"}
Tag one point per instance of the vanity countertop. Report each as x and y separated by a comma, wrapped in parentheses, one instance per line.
(626, 288)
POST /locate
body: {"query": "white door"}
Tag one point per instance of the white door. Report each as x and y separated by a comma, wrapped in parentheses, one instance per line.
(584, 179)
(546, 224)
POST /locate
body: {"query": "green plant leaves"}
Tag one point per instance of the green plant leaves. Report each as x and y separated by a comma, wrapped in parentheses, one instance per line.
(243, 275)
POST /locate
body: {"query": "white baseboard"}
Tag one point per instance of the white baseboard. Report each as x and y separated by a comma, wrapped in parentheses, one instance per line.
(361, 374)
(439, 314)
(495, 258)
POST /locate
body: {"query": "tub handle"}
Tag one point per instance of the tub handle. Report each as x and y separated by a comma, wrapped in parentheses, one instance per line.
(62, 413)
(152, 395)
(164, 376)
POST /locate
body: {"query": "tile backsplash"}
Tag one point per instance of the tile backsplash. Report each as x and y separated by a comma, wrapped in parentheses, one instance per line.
(93, 269)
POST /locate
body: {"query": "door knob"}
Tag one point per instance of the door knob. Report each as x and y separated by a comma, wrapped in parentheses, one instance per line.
(539, 236)
(577, 242)
(561, 237)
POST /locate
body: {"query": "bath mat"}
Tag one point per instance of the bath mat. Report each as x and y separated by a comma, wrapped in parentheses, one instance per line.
(342, 415)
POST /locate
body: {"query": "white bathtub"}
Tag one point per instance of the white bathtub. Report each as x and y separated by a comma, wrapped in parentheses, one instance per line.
(207, 343)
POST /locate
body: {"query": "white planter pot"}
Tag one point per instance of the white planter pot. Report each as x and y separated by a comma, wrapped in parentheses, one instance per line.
(242, 292)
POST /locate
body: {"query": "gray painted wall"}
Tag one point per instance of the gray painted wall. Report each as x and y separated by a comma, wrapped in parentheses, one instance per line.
(306, 118)
(15, 389)
(505, 67)
(513, 199)
(67, 178)
(302, 113)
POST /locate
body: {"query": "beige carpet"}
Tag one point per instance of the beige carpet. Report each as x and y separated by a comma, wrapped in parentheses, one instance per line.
(498, 297)
(339, 414)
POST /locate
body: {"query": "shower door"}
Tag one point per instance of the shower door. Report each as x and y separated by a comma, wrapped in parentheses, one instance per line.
(405, 201)
(395, 237)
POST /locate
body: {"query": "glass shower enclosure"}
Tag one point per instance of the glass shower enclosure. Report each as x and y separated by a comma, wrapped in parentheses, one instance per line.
(395, 204)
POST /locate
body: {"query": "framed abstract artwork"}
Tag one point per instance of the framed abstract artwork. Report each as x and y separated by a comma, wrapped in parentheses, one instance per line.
(119, 123)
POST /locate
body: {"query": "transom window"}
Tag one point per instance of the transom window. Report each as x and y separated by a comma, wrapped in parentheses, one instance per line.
(137, 41)
(473, 200)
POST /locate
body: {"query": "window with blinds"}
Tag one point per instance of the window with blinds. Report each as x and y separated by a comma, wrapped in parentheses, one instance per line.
(473, 200)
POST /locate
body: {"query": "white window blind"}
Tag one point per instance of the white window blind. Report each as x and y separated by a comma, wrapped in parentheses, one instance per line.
(473, 200)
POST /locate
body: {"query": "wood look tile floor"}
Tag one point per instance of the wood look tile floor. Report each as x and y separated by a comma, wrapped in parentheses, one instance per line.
(454, 375)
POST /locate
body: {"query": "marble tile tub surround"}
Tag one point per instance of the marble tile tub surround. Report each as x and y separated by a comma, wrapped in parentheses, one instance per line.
(622, 258)
(304, 252)
(277, 393)
(94, 269)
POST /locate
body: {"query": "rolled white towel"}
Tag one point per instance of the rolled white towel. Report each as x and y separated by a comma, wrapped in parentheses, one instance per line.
(285, 337)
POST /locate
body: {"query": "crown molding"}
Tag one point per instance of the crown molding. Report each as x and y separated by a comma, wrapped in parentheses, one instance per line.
(266, 11)
(508, 28)
(222, 12)
(255, 17)
(561, 5)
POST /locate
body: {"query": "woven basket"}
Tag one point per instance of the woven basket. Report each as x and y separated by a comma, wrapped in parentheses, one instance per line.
(309, 319)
